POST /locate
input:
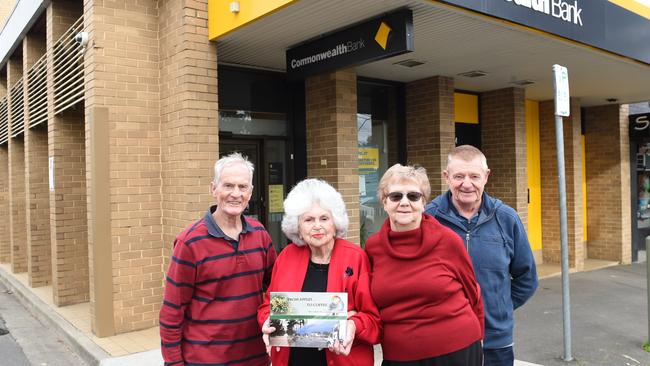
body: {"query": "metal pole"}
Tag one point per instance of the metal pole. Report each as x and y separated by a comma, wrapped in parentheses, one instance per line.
(564, 239)
(647, 271)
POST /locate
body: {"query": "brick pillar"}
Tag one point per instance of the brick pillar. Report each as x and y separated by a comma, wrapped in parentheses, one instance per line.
(332, 146)
(17, 221)
(5, 234)
(608, 183)
(39, 260)
(126, 95)
(550, 194)
(503, 136)
(189, 116)
(66, 147)
(431, 132)
(5, 231)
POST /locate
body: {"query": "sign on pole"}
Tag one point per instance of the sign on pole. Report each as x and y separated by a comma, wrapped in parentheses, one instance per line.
(562, 109)
(561, 84)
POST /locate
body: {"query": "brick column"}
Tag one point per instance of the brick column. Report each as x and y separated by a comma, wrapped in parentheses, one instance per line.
(68, 227)
(332, 146)
(5, 231)
(431, 132)
(39, 259)
(17, 221)
(608, 183)
(503, 136)
(189, 117)
(550, 195)
(5, 234)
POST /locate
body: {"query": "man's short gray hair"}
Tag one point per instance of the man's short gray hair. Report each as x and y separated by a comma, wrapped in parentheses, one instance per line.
(232, 159)
(300, 200)
(467, 153)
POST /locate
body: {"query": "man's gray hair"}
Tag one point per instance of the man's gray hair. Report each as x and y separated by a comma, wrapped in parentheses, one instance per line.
(467, 153)
(229, 160)
(300, 200)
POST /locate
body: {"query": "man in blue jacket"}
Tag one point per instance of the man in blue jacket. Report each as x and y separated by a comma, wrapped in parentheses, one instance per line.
(496, 241)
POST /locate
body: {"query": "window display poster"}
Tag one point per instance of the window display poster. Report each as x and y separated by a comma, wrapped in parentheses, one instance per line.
(276, 198)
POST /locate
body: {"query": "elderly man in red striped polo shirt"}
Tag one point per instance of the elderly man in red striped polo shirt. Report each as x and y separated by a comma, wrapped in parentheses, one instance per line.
(219, 270)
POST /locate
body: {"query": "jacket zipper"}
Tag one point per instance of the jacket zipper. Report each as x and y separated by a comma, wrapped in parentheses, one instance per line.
(467, 241)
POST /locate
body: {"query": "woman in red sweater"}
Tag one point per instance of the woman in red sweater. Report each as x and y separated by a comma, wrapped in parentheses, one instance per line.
(320, 260)
(422, 280)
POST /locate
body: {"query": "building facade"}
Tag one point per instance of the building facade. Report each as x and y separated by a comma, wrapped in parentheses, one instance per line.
(112, 114)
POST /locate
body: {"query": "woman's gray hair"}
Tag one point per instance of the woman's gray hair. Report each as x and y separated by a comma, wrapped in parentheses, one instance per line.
(300, 200)
(232, 159)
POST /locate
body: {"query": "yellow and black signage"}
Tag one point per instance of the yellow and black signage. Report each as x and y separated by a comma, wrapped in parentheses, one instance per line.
(371, 40)
(598, 23)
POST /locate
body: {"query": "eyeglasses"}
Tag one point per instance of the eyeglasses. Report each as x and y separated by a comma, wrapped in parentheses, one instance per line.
(397, 196)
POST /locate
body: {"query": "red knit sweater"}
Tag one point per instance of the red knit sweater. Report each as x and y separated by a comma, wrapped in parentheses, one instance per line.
(424, 286)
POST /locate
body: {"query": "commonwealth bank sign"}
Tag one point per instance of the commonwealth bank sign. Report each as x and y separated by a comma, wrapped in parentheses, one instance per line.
(371, 40)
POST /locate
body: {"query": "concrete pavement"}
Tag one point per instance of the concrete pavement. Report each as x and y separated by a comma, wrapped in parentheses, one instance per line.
(609, 319)
(30, 342)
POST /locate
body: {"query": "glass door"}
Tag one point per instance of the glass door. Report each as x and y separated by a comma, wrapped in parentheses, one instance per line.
(269, 180)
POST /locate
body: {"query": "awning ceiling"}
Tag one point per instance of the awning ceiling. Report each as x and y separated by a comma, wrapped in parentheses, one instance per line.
(449, 41)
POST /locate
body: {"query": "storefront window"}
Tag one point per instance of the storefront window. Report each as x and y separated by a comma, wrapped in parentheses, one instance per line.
(377, 142)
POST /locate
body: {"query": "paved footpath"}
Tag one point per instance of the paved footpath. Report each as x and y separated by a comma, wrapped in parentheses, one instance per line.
(608, 316)
(29, 342)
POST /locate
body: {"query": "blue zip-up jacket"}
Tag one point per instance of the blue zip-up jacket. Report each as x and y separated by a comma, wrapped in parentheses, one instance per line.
(502, 259)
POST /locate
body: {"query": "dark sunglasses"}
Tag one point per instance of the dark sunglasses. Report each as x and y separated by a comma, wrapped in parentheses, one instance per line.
(397, 196)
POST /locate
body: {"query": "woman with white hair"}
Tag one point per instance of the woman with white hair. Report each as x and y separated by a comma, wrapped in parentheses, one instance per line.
(320, 260)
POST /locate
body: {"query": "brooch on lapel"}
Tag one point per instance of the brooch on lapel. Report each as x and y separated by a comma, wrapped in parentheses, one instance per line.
(348, 272)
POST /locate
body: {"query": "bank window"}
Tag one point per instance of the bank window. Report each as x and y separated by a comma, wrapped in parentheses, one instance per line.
(377, 141)
(241, 122)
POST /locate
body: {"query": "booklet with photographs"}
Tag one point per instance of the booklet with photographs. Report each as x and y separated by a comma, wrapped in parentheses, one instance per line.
(308, 319)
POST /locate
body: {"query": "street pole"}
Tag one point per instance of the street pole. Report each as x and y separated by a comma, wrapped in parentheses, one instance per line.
(562, 108)
(564, 239)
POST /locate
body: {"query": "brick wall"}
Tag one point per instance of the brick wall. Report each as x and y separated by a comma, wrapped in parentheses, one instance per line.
(68, 221)
(17, 221)
(5, 239)
(68, 225)
(550, 195)
(503, 136)
(38, 207)
(332, 146)
(608, 183)
(189, 121)
(431, 131)
(39, 260)
(122, 74)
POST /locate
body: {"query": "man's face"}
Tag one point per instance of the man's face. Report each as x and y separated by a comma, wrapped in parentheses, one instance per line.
(233, 191)
(466, 181)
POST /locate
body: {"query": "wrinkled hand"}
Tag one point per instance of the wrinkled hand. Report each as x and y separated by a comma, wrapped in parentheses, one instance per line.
(343, 347)
(266, 330)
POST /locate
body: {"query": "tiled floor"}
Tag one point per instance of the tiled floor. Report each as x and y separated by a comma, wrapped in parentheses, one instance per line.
(144, 340)
(79, 316)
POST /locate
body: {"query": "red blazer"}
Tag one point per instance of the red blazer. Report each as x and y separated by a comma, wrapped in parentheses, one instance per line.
(348, 272)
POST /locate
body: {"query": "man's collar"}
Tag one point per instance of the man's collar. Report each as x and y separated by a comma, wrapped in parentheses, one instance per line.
(215, 230)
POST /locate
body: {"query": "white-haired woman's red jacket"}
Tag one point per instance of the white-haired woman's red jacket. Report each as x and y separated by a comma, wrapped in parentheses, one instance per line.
(348, 272)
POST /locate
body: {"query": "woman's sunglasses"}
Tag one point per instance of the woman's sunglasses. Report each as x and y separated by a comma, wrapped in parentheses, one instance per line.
(397, 196)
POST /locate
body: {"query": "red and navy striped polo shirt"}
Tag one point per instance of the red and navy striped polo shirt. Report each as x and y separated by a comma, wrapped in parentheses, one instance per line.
(214, 286)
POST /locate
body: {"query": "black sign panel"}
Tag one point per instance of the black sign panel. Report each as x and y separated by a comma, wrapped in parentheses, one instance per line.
(639, 126)
(597, 23)
(371, 40)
